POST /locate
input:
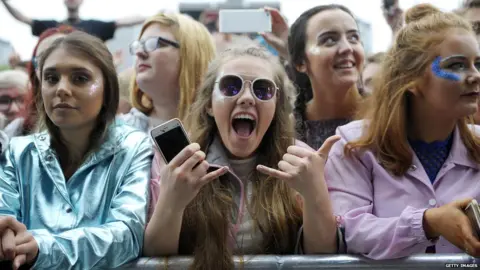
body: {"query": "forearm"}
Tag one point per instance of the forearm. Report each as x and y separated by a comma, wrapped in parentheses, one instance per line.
(109, 246)
(16, 14)
(129, 21)
(319, 228)
(163, 231)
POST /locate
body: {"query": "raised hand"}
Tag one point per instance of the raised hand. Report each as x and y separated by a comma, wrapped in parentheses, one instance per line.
(185, 175)
(451, 222)
(303, 169)
(278, 38)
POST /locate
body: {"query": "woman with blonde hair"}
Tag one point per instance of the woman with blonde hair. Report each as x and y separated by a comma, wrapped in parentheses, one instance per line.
(402, 177)
(219, 196)
(172, 55)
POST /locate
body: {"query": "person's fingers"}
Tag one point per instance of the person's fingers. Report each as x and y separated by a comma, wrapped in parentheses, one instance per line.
(19, 261)
(293, 159)
(273, 172)
(2, 257)
(286, 167)
(300, 152)
(327, 146)
(192, 161)
(199, 171)
(213, 175)
(8, 244)
(462, 203)
(185, 154)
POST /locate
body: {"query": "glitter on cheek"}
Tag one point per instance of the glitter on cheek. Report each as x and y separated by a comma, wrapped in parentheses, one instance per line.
(439, 72)
(314, 49)
(94, 88)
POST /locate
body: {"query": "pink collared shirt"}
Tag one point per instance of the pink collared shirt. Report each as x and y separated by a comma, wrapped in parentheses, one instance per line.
(383, 214)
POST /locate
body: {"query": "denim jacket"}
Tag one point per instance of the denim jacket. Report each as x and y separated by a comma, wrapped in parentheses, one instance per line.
(96, 219)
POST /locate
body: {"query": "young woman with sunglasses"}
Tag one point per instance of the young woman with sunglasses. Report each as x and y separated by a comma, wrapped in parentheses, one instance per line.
(220, 195)
(74, 196)
(172, 55)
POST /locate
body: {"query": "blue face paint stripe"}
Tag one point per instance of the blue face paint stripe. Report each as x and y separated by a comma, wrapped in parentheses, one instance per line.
(439, 72)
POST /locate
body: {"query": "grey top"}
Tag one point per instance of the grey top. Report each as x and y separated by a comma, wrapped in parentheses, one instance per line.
(317, 131)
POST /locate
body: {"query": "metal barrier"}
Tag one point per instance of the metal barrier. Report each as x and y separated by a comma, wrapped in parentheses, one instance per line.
(424, 261)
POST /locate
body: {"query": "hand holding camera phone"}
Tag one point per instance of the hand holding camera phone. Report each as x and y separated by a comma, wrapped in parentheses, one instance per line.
(451, 222)
(187, 170)
(473, 213)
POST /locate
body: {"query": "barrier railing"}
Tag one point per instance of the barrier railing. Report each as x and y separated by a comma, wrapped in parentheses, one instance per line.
(424, 261)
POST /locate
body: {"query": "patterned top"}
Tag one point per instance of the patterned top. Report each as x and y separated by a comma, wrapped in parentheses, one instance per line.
(432, 155)
(317, 131)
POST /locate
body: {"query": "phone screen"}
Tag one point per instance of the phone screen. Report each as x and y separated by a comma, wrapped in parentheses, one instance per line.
(172, 142)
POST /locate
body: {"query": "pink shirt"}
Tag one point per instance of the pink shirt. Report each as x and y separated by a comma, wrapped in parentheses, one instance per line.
(383, 214)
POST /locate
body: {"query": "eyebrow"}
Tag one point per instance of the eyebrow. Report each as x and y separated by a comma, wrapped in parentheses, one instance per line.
(457, 57)
(330, 32)
(72, 69)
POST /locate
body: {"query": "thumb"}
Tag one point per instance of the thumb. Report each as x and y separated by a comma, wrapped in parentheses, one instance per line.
(327, 145)
(273, 40)
(463, 203)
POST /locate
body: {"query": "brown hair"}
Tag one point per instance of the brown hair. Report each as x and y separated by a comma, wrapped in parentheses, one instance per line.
(92, 48)
(196, 51)
(273, 208)
(403, 68)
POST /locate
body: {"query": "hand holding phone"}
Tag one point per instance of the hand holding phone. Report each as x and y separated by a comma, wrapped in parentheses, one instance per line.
(451, 222)
(473, 213)
(187, 170)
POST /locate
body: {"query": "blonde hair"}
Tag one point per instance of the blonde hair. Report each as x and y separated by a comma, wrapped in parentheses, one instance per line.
(124, 81)
(273, 208)
(196, 51)
(402, 69)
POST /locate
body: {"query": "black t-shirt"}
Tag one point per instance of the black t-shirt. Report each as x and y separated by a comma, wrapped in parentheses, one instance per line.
(100, 29)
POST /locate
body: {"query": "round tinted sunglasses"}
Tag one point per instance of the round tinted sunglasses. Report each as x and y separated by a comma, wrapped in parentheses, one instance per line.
(232, 85)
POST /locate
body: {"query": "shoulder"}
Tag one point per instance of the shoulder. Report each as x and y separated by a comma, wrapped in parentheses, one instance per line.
(128, 137)
(352, 131)
(136, 119)
(475, 129)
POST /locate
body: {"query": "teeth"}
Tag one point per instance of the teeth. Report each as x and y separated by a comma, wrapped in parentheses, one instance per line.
(244, 116)
(347, 65)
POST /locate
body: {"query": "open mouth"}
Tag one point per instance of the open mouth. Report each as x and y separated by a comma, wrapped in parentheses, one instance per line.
(471, 94)
(244, 125)
(344, 65)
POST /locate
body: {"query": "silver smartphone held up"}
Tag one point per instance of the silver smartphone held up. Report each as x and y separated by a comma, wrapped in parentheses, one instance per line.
(170, 138)
(243, 21)
(473, 212)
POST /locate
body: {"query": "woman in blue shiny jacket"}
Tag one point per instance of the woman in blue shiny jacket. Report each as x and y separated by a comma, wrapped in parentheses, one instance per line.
(75, 196)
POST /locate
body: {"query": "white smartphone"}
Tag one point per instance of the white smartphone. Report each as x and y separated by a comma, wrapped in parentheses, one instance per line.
(170, 138)
(244, 21)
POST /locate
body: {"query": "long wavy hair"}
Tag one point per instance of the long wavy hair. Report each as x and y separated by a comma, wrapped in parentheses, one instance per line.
(297, 41)
(87, 46)
(196, 51)
(274, 209)
(402, 69)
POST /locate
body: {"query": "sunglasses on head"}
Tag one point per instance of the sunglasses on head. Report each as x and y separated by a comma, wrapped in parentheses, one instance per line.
(151, 44)
(231, 85)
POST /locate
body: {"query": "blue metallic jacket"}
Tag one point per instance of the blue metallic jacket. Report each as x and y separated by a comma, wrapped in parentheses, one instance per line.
(97, 218)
